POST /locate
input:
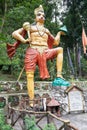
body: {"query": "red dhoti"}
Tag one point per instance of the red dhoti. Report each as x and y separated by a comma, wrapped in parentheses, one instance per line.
(33, 57)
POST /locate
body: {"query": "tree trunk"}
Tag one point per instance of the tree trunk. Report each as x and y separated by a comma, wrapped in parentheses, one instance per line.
(3, 19)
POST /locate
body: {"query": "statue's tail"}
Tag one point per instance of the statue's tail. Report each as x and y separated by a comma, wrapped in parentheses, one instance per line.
(11, 48)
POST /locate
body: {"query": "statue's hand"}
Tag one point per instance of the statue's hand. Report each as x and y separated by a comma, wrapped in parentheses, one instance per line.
(28, 40)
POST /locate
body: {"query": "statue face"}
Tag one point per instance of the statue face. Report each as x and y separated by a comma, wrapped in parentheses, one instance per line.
(40, 17)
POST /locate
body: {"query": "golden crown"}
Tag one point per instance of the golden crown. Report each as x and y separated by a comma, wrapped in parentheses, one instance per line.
(39, 9)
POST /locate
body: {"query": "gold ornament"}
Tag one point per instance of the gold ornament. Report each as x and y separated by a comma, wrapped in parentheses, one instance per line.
(39, 9)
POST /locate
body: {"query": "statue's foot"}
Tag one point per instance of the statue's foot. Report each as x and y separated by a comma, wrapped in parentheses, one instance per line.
(60, 82)
(60, 76)
(31, 106)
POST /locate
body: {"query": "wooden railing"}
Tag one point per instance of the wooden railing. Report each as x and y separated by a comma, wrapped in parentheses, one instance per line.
(14, 114)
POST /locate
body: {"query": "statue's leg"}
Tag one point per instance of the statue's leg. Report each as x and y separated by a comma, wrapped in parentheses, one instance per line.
(56, 52)
(60, 81)
(59, 62)
(30, 86)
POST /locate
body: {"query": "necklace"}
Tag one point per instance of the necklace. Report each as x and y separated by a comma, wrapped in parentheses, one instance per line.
(41, 30)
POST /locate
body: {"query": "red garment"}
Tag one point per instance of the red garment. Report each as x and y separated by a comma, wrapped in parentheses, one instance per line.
(50, 41)
(33, 57)
(11, 48)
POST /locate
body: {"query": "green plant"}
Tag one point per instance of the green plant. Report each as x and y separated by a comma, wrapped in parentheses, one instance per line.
(30, 123)
(5, 68)
(3, 125)
(49, 127)
(2, 104)
(1, 88)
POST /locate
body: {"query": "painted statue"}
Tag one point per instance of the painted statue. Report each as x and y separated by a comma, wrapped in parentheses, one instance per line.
(40, 49)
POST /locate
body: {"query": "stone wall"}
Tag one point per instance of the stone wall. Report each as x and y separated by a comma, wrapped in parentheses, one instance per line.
(44, 88)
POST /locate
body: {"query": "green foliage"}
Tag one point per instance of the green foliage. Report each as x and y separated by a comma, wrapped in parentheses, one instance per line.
(7, 127)
(5, 68)
(1, 88)
(3, 125)
(4, 60)
(49, 127)
(30, 123)
(15, 18)
(2, 104)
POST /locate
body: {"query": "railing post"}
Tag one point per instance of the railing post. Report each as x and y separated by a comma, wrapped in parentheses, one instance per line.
(66, 127)
(48, 119)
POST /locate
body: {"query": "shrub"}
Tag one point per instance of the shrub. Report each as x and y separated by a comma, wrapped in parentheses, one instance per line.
(3, 125)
